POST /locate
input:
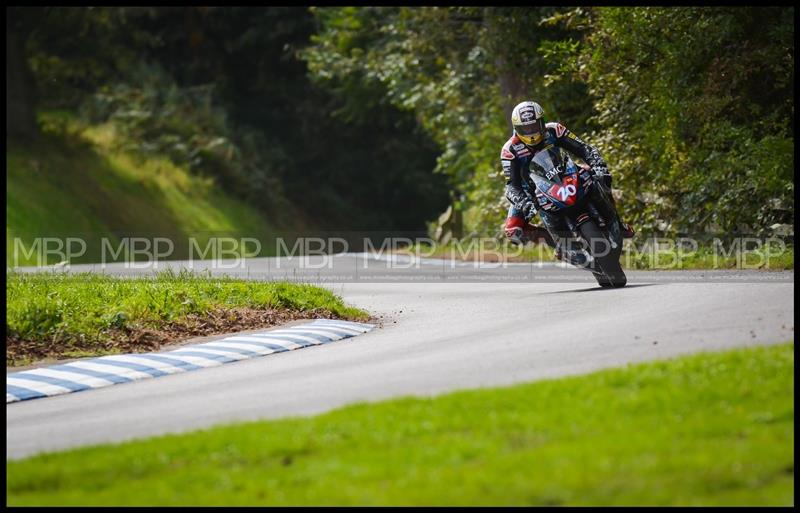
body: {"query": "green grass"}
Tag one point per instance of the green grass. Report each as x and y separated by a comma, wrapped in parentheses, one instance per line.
(75, 182)
(707, 429)
(774, 257)
(80, 312)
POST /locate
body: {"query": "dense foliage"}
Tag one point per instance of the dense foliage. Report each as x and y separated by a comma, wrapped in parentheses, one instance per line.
(336, 115)
(692, 107)
(458, 69)
(222, 91)
(696, 112)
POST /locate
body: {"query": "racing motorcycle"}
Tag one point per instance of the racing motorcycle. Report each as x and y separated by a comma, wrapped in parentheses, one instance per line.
(571, 191)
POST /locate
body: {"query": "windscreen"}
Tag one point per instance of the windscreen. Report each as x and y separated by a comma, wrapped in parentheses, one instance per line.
(547, 163)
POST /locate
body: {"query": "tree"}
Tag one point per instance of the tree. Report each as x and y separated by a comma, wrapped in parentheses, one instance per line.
(222, 91)
(460, 70)
(692, 107)
(695, 113)
(20, 100)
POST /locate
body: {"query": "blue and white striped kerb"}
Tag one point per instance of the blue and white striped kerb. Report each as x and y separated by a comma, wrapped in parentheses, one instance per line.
(110, 370)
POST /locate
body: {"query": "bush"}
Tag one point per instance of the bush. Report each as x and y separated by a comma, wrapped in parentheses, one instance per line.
(157, 117)
(694, 111)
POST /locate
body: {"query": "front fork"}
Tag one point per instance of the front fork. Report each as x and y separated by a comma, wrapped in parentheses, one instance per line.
(600, 209)
(605, 209)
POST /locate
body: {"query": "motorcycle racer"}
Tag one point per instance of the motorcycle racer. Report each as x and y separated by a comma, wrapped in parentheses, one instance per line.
(532, 134)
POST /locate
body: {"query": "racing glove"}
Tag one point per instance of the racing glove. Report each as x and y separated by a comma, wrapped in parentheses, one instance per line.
(602, 175)
(528, 209)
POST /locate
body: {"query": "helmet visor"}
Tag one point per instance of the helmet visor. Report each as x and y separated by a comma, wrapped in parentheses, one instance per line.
(529, 130)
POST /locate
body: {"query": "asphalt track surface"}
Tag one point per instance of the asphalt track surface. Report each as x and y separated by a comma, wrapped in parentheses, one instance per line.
(443, 327)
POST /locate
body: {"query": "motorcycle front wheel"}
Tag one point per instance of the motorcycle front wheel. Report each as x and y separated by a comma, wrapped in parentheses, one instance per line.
(611, 274)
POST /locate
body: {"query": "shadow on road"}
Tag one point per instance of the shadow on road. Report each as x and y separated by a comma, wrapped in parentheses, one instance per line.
(602, 289)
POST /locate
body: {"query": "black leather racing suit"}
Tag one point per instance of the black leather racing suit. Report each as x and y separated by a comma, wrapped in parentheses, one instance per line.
(515, 158)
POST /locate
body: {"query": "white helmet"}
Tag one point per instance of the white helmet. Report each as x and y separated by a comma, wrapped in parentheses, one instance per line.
(528, 122)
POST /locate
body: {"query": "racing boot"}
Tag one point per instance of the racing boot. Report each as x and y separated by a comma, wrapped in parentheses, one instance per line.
(519, 232)
(576, 257)
(627, 230)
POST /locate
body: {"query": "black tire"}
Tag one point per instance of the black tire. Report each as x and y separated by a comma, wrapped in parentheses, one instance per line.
(602, 280)
(609, 262)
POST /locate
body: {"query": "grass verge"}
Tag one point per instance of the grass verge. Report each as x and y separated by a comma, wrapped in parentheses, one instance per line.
(707, 429)
(75, 182)
(62, 315)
